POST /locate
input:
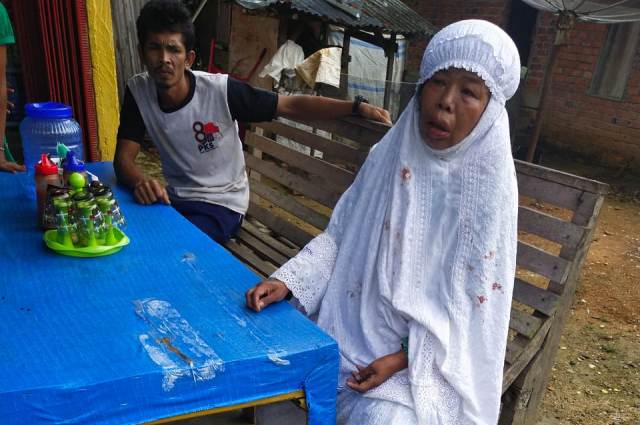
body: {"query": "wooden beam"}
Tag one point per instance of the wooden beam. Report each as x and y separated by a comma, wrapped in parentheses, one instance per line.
(390, 52)
(325, 196)
(328, 147)
(560, 177)
(344, 64)
(338, 179)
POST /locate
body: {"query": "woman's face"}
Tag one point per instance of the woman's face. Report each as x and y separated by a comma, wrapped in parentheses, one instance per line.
(451, 104)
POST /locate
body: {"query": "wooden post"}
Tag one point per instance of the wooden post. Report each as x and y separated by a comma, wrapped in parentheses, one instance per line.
(390, 51)
(344, 64)
(563, 28)
(542, 104)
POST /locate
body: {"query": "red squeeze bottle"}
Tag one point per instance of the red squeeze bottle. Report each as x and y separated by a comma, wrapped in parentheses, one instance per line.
(46, 174)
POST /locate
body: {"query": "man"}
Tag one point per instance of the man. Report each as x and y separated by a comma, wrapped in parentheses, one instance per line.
(191, 117)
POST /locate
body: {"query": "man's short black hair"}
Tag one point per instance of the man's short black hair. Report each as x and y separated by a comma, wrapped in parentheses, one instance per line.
(159, 16)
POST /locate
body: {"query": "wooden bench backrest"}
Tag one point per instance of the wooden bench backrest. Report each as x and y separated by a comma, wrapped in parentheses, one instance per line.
(292, 194)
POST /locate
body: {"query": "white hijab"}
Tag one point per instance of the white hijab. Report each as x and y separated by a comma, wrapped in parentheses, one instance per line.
(423, 244)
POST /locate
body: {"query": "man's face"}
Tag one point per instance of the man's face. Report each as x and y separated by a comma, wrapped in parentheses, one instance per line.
(166, 58)
(451, 104)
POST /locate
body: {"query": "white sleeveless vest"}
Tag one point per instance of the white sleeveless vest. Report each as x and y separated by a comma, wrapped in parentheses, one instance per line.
(199, 146)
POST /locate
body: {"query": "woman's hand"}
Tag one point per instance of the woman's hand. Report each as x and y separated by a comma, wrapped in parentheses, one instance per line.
(377, 372)
(11, 167)
(266, 292)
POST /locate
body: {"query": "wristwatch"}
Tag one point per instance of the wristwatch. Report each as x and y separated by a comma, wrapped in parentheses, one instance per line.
(355, 109)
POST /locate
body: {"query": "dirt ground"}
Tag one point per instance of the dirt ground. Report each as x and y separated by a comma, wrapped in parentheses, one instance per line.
(596, 378)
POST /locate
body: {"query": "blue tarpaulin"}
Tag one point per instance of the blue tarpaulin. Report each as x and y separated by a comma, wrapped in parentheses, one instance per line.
(157, 330)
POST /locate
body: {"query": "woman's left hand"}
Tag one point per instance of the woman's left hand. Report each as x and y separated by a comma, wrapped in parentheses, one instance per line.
(377, 372)
(11, 167)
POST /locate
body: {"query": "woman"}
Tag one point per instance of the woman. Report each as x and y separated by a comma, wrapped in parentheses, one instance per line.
(423, 246)
(7, 163)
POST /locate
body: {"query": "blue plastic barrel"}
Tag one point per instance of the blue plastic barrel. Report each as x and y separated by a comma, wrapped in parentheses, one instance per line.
(44, 126)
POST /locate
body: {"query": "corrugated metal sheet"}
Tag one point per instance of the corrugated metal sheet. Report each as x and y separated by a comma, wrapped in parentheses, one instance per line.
(62, 68)
(389, 15)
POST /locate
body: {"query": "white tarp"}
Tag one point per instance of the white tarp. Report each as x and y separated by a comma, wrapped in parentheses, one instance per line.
(368, 70)
(288, 56)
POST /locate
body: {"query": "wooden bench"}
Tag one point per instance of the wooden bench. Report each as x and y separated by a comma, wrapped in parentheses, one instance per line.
(293, 192)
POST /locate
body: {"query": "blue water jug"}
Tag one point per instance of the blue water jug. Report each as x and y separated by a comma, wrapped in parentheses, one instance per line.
(44, 126)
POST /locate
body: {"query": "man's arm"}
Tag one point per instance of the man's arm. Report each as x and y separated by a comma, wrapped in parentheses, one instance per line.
(325, 108)
(5, 165)
(130, 134)
(146, 190)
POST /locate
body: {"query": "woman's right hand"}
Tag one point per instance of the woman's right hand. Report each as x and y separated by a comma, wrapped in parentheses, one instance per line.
(266, 292)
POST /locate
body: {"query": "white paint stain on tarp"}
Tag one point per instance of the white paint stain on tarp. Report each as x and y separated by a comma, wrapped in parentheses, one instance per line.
(276, 356)
(240, 321)
(189, 258)
(174, 345)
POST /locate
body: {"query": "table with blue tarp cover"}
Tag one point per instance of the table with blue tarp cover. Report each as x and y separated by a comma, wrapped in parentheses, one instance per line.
(158, 330)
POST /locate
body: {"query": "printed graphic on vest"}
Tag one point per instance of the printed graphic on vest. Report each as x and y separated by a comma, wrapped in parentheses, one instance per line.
(207, 135)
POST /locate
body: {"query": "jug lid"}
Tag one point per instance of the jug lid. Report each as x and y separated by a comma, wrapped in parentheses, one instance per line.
(48, 110)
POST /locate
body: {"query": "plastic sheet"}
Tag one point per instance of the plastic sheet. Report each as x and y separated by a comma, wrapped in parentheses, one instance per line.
(157, 330)
(602, 11)
(287, 57)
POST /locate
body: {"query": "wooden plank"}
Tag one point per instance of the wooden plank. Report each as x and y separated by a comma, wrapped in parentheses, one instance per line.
(365, 132)
(327, 146)
(524, 323)
(561, 177)
(586, 206)
(531, 384)
(532, 296)
(335, 177)
(279, 225)
(249, 257)
(552, 228)
(326, 197)
(289, 204)
(548, 191)
(541, 262)
(269, 240)
(261, 248)
(128, 62)
(524, 355)
(295, 395)
(345, 58)
(390, 52)
(514, 348)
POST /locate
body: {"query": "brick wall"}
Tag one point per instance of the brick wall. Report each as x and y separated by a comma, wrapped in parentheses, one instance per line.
(444, 12)
(605, 130)
(608, 131)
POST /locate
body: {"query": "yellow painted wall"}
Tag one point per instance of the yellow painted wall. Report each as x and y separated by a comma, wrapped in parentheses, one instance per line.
(105, 84)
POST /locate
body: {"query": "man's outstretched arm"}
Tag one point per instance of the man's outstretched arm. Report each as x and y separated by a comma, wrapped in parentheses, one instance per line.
(325, 108)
